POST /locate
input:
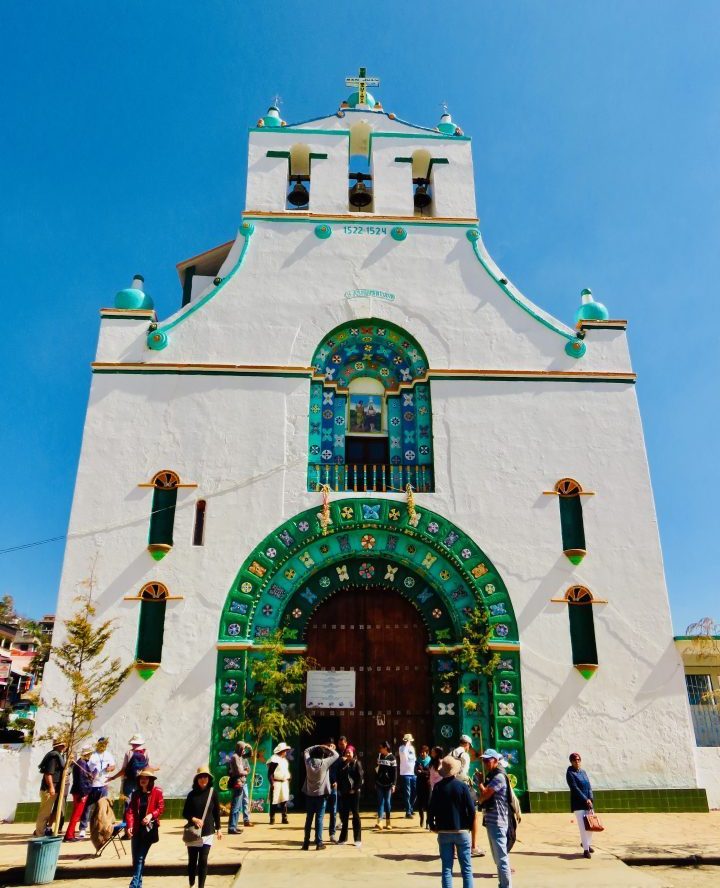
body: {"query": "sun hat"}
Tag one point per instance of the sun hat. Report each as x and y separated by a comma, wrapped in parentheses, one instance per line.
(87, 749)
(408, 738)
(136, 740)
(57, 743)
(281, 747)
(466, 738)
(492, 754)
(449, 766)
(146, 773)
(203, 770)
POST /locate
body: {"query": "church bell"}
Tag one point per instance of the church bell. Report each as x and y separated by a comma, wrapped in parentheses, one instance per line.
(299, 196)
(360, 196)
(421, 198)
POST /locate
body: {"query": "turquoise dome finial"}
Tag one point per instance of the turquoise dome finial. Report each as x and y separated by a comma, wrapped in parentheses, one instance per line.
(134, 296)
(446, 125)
(272, 118)
(590, 310)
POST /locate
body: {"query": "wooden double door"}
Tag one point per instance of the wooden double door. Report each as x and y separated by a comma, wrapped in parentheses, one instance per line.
(379, 635)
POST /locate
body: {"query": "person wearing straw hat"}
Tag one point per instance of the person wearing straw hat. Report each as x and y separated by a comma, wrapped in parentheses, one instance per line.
(279, 777)
(201, 810)
(407, 759)
(136, 759)
(238, 773)
(102, 763)
(144, 810)
(80, 790)
(51, 768)
(496, 813)
(451, 815)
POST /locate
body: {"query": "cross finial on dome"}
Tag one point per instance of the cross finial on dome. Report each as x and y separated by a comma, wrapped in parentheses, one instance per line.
(444, 106)
(362, 81)
(277, 101)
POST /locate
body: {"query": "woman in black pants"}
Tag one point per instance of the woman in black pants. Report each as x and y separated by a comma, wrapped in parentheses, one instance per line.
(202, 808)
(350, 781)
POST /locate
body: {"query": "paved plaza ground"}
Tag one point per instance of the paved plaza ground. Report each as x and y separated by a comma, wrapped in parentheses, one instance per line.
(547, 855)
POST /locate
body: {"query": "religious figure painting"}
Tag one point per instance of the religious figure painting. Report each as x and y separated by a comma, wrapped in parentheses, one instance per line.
(365, 413)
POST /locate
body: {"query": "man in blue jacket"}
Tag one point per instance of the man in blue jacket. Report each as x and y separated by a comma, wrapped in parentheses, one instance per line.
(581, 798)
(451, 815)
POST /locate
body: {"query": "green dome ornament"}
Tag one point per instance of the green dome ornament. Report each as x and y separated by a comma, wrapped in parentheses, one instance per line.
(446, 125)
(134, 296)
(353, 100)
(590, 310)
(272, 118)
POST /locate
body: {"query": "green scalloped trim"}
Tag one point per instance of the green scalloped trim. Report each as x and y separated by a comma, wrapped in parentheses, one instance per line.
(438, 567)
(473, 235)
(247, 229)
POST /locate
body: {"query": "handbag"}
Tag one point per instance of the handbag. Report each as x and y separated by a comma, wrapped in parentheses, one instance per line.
(592, 822)
(193, 834)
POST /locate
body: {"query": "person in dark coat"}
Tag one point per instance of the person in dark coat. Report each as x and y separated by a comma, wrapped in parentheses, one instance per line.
(350, 781)
(385, 782)
(451, 815)
(144, 810)
(581, 798)
(422, 790)
(202, 800)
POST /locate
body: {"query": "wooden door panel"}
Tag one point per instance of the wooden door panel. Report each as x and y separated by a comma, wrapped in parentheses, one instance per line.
(379, 635)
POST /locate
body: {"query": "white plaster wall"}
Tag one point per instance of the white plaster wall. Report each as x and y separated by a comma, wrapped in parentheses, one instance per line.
(294, 284)
(15, 779)
(707, 761)
(498, 445)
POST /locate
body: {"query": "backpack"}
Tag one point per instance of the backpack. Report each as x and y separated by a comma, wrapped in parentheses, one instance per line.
(137, 762)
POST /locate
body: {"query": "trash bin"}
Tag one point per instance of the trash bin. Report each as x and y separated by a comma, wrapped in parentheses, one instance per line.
(42, 859)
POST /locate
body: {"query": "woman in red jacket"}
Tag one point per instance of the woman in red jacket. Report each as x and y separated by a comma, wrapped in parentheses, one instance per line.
(143, 817)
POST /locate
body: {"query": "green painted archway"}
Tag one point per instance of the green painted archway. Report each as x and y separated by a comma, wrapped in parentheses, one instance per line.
(378, 542)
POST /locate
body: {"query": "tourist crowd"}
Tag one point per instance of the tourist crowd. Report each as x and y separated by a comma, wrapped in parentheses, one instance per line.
(434, 785)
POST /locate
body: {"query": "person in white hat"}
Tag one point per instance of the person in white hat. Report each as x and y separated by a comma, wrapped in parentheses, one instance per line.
(102, 764)
(80, 790)
(462, 754)
(407, 759)
(136, 760)
(279, 777)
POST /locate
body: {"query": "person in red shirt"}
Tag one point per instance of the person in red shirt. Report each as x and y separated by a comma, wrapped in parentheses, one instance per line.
(143, 815)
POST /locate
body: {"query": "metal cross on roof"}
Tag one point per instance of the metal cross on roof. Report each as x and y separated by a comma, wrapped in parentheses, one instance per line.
(276, 101)
(362, 81)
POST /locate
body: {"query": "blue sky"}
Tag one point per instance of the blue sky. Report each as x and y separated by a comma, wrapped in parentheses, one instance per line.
(595, 134)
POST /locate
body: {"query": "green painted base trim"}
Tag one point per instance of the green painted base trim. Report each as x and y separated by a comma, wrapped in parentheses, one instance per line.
(587, 672)
(27, 812)
(628, 801)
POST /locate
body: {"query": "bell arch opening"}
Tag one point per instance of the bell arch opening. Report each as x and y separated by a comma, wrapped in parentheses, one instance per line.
(375, 543)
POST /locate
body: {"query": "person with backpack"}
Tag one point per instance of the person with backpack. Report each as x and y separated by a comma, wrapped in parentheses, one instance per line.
(136, 760)
(498, 816)
(238, 773)
(51, 768)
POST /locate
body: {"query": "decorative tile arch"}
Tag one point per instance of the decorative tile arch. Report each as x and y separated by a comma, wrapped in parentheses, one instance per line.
(373, 541)
(370, 349)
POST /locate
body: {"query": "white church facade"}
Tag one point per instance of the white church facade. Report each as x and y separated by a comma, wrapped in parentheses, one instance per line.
(357, 429)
